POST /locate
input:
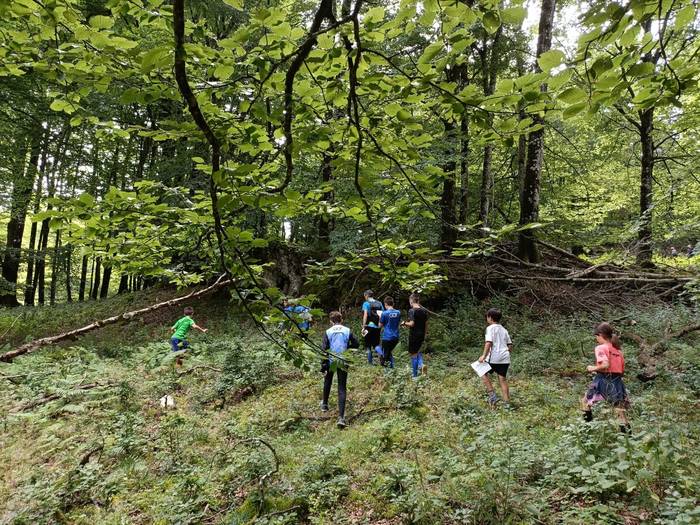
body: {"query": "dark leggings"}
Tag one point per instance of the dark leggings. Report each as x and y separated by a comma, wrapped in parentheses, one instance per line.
(342, 389)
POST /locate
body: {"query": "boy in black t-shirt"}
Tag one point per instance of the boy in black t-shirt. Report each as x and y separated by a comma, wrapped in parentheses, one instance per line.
(417, 322)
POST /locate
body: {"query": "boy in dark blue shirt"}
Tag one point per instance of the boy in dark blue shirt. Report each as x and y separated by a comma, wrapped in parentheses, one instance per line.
(390, 321)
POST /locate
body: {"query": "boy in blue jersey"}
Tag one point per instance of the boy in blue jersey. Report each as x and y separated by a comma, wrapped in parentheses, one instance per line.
(371, 310)
(336, 340)
(390, 321)
(298, 314)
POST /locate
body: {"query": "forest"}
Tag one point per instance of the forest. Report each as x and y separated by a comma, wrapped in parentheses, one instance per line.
(265, 165)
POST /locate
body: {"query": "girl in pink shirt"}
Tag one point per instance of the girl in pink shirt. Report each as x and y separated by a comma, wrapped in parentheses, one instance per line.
(607, 383)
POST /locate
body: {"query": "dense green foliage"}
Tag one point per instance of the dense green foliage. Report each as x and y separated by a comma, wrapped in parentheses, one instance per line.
(426, 452)
(395, 122)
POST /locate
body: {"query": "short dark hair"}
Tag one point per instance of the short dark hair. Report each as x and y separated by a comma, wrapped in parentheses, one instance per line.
(495, 314)
(414, 297)
(369, 293)
(189, 310)
(336, 316)
(389, 300)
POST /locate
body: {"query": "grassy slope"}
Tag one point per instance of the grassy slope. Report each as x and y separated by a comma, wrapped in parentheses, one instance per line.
(431, 452)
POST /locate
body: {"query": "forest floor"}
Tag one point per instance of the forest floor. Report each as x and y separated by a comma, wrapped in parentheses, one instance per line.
(84, 440)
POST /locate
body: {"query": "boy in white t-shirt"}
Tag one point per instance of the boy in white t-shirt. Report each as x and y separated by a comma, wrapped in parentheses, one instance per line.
(496, 353)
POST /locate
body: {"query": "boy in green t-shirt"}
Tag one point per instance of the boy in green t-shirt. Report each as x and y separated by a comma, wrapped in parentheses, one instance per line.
(180, 330)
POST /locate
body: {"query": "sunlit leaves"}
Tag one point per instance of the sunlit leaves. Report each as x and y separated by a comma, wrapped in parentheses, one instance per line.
(550, 59)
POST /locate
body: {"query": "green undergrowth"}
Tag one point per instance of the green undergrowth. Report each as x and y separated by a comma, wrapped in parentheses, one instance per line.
(247, 443)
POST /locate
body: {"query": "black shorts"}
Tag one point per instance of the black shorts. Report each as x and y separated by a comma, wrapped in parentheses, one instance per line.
(388, 346)
(500, 368)
(414, 344)
(372, 337)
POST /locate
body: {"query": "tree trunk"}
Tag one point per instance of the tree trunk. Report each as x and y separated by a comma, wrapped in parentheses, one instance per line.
(324, 221)
(530, 192)
(40, 266)
(29, 290)
(448, 232)
(464, 170)
(645, 248)
(54, 267)
(97, 273)
(69, 257)
(83, 279)
(486, 187)
(123, 284)
(646, 189)
(490, 58)
(21, 195)
(104, 290)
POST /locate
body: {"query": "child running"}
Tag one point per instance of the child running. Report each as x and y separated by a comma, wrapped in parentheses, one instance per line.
(607, 383)
(371, 309)
(417, 323)
(390, 321)
(180, 330)
(336, 340)
(496, 353)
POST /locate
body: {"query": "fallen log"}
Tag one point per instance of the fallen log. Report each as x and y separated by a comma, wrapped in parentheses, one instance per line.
(127, 316)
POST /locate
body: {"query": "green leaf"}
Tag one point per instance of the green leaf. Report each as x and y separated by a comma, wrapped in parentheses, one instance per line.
(684, 17)
(392, 109)
(62, 105)
(513, 15)
(154, 58)
(101, 22)
(236, 4)
(572, 95)
(574, 110)
(430, 52)
(403, 115)
(550, 59)
(223, 71)
(376, 14)
(640, 70)
(491, 22)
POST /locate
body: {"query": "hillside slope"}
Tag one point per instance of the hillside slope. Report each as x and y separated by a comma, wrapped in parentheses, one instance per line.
(84, 439)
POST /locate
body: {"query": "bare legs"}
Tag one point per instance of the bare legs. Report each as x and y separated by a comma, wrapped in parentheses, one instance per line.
(504, 386)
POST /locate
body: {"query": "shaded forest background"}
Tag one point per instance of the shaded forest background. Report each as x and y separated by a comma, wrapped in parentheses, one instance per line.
(300, 142)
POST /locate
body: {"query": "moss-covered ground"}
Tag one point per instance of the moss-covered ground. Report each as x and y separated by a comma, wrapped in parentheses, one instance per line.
(247, 443)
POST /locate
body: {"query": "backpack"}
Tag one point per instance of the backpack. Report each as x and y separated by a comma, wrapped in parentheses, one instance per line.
(374, 308)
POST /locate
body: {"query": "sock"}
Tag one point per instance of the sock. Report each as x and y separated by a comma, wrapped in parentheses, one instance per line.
(414, 365)
(588, 415)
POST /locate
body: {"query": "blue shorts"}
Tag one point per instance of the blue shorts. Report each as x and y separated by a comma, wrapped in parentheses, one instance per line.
(175, 343)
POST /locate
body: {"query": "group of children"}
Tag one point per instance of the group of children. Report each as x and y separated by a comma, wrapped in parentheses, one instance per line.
(380, 330)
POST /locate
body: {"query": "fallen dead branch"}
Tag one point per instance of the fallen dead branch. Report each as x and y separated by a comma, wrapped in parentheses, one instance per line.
(127, 316)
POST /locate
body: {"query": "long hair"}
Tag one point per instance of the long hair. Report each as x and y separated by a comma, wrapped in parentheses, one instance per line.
(606, 330)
